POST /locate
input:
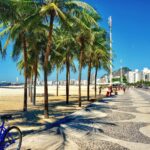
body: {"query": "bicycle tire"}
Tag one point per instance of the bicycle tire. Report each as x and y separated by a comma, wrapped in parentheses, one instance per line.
(8, 135)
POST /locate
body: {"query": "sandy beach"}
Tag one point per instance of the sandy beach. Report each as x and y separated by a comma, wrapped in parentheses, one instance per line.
(11, 101)
(18, 90)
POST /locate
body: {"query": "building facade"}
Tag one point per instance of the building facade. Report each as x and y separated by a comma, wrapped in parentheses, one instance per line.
(135, 76)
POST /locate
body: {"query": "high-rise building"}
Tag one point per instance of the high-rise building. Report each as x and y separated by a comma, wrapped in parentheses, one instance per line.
(131, 77)
(138, 75)
(135, 76)
(146, 74)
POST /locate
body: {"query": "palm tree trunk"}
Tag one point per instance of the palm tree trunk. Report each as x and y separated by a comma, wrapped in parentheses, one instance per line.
(29, 87)
(34, 97)
(69, 73)
(25, 71)
(35, 79)
(67, 79)
(89, 78)
(96, 82)
(31, 91)
(57, 81)
(45, 95)
(80, 75)
(25, 95)
(47, 53)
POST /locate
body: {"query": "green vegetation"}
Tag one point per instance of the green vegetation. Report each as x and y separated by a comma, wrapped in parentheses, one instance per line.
(118, 79)
(141, 84)
(125, 79)
(52, 34)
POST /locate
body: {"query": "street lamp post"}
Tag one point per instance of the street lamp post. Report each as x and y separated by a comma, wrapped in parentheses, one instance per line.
(110, 27)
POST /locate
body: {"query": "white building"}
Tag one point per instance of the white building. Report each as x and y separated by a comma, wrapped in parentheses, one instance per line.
(146, 74)
(62, 82)
(72, 82)
(131, 77)
(98, 81)
(104, 80)
(135, 76)
(76, 82)
(50, 82)
(138, 75)
(84, 82)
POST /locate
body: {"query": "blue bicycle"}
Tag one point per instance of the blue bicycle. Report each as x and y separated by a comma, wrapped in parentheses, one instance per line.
(10, 137)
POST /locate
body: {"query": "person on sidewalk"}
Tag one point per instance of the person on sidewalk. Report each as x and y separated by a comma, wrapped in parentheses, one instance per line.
(100, 90)
(124, 89)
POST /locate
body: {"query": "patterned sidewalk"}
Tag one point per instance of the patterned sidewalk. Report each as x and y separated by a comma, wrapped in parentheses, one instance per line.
(117, 123)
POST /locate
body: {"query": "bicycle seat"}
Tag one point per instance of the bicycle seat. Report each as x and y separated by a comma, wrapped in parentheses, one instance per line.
(6, 117)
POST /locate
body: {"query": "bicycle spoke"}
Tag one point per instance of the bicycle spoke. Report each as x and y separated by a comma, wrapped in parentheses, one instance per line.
(13, 138)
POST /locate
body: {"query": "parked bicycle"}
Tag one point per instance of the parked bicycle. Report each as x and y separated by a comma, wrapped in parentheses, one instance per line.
(10, 136)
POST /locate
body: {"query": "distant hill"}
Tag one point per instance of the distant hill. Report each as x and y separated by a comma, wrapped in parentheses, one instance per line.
(117, 72)
(124, 71)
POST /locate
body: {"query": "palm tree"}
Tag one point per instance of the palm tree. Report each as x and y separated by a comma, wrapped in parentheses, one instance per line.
(85, 40)
(101, 57)
(55, 9)
(89, 78)
(16, 29)
(57, 80)
(96, 54)
(58, 60)
(20, 66)
(36, 42)
(58, 65)
(64, 43)
(35, 29)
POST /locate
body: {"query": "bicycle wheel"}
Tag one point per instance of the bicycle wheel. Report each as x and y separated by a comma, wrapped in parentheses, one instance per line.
(13, 138)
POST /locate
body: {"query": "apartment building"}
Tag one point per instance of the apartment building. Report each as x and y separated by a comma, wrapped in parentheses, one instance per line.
(135, 76)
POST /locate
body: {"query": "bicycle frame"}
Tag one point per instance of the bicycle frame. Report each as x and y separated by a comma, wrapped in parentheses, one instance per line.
(3, 130)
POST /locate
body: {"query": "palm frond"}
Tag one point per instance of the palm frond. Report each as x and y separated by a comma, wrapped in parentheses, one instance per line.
(1, 25)
(2, 51)
(17, 49)
(82, 5)
(1, 48)
(79, 22)
(5, 31)
(47, 8)
(6, 44)
(89, 19)
(20, 66)
(60, 13)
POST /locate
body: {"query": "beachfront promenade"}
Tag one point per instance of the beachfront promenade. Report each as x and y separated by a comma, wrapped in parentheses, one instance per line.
(117, 123)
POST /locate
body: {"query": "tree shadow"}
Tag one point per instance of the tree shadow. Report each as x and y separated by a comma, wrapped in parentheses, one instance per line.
(33, 116)
(75, 121)
(77, 124)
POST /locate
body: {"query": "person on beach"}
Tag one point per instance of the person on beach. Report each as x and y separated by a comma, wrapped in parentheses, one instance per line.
(100, 90)
(124, 89)
(116, 93)
(111, 90)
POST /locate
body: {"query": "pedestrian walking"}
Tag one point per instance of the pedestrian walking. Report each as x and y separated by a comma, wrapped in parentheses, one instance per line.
(124, 89)
(100, 90)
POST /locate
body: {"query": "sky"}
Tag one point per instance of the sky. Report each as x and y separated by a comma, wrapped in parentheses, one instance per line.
(131, 41)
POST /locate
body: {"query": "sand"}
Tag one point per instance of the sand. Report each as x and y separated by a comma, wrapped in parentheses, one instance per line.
(11, 101)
